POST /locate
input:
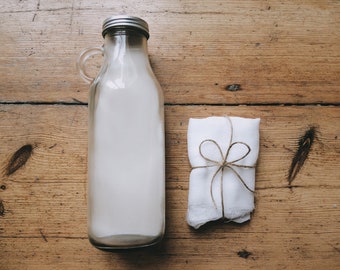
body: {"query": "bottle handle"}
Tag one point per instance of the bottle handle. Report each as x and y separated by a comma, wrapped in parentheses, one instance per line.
(83, 57)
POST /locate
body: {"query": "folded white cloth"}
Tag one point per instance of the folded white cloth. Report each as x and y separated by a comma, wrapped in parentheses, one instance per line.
(222, 152)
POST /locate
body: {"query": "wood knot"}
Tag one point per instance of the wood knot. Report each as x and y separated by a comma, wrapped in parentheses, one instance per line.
(301, 155)
(2, 208)
(233, 87)
(18, 159)
(244, 254)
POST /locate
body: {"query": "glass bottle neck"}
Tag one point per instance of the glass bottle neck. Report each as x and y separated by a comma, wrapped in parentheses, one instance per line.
(122, 45)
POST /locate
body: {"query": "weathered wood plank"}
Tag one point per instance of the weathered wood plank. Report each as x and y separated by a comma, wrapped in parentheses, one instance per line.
(292, 251)
(277, 52)
(59, 131)
(59, 210)
(45, 200)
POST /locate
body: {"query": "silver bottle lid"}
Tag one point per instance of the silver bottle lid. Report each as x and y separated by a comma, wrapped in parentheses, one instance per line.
(125, 21)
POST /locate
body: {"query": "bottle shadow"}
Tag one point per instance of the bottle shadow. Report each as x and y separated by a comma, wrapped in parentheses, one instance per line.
(151, 257)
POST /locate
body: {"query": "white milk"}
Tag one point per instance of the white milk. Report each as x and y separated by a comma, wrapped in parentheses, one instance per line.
(126, 152)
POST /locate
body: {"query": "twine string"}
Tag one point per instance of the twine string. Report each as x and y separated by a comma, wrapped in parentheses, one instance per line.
(222, 164)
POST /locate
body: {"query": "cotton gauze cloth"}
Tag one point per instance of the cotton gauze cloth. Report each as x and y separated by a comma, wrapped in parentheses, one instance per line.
(222, 152)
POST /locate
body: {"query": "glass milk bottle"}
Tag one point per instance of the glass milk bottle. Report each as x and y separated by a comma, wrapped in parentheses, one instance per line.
(126, 156)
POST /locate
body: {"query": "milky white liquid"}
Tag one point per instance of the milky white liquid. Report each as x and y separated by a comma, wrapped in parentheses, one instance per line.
(126, 155)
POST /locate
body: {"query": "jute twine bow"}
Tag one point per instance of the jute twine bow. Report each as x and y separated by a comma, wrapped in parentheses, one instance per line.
(223, 164)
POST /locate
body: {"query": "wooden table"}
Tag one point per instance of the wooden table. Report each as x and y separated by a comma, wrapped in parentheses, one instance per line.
(277, 60)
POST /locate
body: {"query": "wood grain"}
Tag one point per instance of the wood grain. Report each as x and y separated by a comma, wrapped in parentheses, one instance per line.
(278, 52)
(45, 201)
(283, 56)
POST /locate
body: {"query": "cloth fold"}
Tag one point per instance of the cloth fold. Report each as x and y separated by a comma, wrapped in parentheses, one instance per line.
(222, 152)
